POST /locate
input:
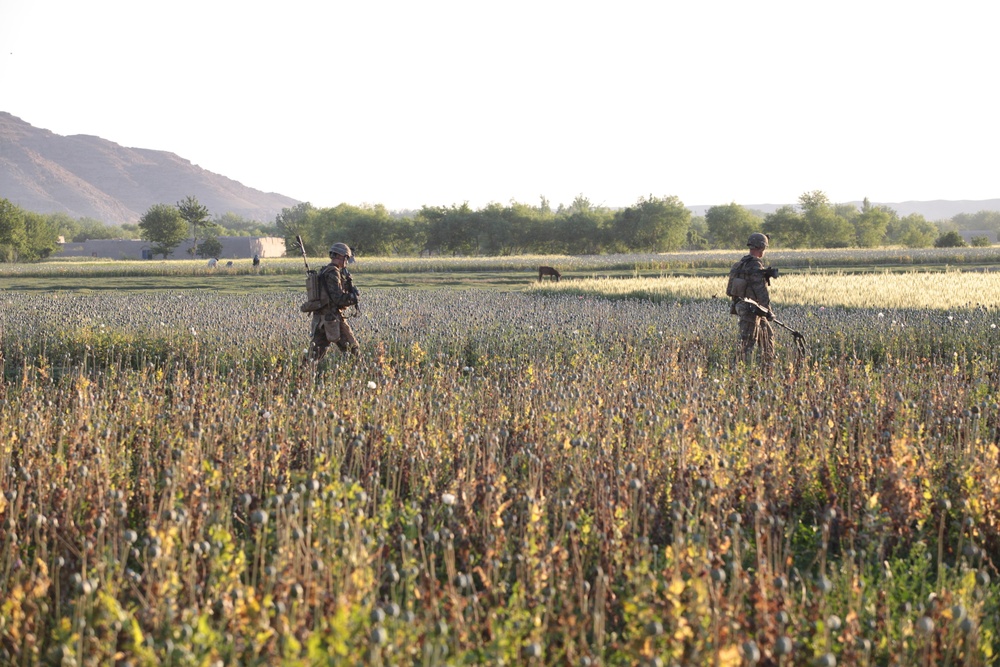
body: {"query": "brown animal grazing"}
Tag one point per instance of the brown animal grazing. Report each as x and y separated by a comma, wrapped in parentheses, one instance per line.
(548, 271)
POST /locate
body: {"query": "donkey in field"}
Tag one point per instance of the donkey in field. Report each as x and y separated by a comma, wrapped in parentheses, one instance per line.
(548, 271)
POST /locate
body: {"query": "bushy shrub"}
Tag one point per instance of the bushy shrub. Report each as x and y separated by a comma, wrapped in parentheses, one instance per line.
(950, 239)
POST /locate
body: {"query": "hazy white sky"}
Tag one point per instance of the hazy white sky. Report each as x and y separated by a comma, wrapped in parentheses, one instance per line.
(411, 103)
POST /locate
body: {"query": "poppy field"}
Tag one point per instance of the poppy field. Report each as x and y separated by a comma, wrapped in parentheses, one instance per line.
(502, 477)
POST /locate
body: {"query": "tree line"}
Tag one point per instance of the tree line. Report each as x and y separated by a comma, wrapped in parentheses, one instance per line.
(652, 224)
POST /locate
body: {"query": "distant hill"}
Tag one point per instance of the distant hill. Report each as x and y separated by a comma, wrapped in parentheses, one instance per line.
(86, 176)
(934, 211)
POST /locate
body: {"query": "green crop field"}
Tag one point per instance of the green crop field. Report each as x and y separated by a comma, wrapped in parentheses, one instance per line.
(572, 473)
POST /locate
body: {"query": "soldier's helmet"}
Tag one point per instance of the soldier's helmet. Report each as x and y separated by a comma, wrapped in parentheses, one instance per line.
(757, 240)
(344, 250)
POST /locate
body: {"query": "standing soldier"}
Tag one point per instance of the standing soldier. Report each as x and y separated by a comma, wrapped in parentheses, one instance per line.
(749, 279)
(338, 293)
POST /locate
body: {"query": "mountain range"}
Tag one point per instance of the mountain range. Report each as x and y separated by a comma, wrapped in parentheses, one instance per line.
(86, 176)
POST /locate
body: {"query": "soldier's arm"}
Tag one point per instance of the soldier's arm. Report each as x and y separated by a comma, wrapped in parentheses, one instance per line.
(338, 296)
(758, 284)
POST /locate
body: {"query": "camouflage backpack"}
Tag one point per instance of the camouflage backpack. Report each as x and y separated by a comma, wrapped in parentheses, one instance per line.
(737, 286)
(316, 296)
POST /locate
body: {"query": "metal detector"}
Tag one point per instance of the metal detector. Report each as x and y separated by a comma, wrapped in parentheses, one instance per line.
(800, 340)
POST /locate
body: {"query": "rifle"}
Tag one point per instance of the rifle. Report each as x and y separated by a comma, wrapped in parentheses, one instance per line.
(302, 248)
(353, 291)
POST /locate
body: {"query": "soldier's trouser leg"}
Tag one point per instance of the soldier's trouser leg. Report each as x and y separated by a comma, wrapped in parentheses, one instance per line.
(317, 346)
(755, 331)
(348, 343)
(748, 336)
(318, 342)
(765, 341)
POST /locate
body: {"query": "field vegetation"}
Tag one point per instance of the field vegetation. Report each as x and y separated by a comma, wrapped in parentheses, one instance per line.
(504, 477)
(816, 259)
(939, 291)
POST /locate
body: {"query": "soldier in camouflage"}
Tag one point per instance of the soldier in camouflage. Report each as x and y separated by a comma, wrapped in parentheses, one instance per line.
(328, 323)
(748, 278)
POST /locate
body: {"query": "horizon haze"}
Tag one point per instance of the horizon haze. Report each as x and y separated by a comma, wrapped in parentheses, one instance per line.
(443, 102)
(86, 176)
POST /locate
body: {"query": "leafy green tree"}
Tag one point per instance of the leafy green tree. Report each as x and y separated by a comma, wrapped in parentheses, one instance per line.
(817, 199)
(654, 224)
(195, 215)
(697, 234)
(695, 241)
(210, 247)
(495, 233)
(450, 230)
(66, 226)
(824, 227)
(580, 204)
(950, 239)
(871, 224)
(13, 233)
(578, 233)
(544, 207)
(163, 226)
(42, 236)
(367, 229)
(232, 224)
(699, 226)
(980, 242)
(977, 221)
(531, 227)
(85, 229)
(786, 228)
(534, 230)
(299, 221)
(912, 231)
(730, 225)
(580, 229)
(410, 234)
(848, 212)
(235, 225)
(25, 235)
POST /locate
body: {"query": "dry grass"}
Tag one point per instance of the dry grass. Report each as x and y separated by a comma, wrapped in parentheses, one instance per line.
(947, 290)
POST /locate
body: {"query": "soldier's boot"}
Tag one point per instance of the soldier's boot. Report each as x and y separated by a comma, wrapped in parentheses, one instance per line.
(316, 352)
(350, 343)
(349, 349)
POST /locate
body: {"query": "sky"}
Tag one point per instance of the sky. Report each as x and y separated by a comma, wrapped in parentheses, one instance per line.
(440, 103)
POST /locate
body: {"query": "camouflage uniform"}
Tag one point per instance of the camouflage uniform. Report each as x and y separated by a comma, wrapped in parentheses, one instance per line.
(754, 329)
(328, 323)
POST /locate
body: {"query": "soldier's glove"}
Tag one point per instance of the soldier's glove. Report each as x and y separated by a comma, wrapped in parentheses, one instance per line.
(770, 316)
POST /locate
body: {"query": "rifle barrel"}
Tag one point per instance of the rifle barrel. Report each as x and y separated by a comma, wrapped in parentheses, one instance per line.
(302, 247)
